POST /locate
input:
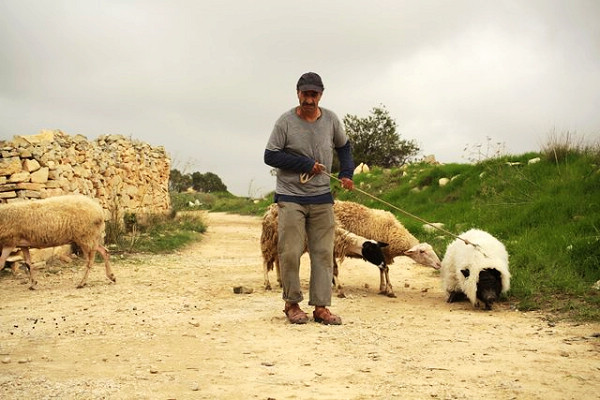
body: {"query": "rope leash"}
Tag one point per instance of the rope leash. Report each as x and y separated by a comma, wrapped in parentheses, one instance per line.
(478, 247)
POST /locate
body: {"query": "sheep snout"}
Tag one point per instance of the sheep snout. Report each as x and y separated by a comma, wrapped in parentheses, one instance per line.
(489, 287)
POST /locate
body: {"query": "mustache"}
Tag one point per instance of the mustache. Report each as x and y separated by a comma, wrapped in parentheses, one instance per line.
(308, 104)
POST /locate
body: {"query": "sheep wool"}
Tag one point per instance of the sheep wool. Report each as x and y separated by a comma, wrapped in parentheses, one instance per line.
(382, 226)
(346, 244)
(463, 263)
(53, 222)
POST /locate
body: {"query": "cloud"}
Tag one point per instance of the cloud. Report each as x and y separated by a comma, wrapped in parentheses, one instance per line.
(207, 80)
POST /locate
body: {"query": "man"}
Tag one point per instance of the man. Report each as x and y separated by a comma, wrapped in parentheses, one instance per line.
(301, 148)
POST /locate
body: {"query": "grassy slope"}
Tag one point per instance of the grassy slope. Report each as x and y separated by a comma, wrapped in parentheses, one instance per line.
(547, 214)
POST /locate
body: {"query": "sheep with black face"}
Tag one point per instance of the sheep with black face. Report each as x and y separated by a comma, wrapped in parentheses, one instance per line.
(346, 244)
(477, 271)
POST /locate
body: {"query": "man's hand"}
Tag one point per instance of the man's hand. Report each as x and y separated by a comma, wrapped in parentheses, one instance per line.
(317, 168)
(347, 183)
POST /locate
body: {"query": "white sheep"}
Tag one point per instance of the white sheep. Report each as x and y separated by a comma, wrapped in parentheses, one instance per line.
(479, 272)
(345, 244)
(51, 222)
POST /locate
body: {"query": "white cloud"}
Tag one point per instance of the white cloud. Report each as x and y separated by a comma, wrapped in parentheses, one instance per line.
(208, 79)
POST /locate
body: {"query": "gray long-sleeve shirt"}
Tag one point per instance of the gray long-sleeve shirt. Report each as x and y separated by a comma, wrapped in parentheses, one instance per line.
(301, 143)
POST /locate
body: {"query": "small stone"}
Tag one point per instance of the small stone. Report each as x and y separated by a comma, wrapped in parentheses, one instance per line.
(242, 290)
(6, 360)
(153, 370)
(195, 387)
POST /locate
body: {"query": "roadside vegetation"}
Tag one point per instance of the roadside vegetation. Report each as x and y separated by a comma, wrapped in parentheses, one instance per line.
(153, 233)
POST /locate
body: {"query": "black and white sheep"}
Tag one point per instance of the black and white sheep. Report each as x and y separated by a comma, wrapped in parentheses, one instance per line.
(382, 226)
(51, 222)
(346, 244)
(478, 272)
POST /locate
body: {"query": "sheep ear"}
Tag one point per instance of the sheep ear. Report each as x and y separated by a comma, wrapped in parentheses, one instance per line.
(465, 272)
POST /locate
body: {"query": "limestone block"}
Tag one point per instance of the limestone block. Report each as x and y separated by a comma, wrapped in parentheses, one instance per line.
(20, 177)
(8, 195)
(10, 166)
(31, 165)
(30, 194)
(40, 176)
(30, 186)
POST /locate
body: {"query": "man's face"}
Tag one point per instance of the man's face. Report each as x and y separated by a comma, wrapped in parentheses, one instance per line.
(309, 100)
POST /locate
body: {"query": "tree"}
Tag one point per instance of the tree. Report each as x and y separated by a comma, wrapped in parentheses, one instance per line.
(207, 182)
(200, 182)
(179, 182)
(375, 141)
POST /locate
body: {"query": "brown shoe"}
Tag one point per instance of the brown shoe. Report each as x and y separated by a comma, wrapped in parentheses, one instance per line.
(324, 316)
(295, 314)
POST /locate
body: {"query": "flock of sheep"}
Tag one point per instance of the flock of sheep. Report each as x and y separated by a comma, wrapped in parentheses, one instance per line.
(475, 266)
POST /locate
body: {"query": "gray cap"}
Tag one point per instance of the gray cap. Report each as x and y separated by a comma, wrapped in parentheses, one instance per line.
(310, 81)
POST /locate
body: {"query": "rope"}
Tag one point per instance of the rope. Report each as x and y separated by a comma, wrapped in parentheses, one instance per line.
(478, 247)
(305, 177)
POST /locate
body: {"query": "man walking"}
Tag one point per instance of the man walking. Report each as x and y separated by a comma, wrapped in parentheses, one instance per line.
(301, 148)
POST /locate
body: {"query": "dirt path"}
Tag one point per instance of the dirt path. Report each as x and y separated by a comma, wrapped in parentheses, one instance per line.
(172, 328)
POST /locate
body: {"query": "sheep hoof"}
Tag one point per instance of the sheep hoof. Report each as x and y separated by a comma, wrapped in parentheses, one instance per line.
(341, 295)
(391, 294)
(81, 285)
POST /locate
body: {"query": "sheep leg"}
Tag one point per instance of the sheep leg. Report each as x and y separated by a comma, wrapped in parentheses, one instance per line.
(385, 287)
(90, 255)
(267, 266)
(388, 286)
(336, 280)
(104, 253)
(4, 256)
(381, 281)
(27, 256)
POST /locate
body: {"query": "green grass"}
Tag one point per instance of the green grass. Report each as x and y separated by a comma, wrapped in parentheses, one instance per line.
(547, 214)
(158, 234)
(224, 202)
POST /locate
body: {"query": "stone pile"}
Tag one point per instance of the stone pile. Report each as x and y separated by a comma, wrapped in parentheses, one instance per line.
(123, 174)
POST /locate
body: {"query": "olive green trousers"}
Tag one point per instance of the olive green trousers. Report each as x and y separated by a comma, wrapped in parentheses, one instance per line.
(301, 225)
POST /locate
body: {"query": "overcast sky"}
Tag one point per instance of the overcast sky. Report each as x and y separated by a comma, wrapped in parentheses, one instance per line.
(208, 79)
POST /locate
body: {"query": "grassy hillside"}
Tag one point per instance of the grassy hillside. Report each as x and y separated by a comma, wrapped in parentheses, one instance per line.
(546, 213)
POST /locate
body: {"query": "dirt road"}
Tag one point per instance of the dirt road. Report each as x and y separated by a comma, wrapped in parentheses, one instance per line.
(172, 328)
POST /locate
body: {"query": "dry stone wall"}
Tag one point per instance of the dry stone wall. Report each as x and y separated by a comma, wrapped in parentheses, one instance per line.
(123, 174)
